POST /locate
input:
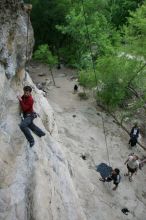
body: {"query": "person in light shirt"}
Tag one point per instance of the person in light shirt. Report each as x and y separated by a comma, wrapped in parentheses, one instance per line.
(132, 166)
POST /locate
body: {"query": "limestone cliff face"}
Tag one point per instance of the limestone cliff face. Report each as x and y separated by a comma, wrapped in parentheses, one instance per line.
(35, 184)
(13, 35)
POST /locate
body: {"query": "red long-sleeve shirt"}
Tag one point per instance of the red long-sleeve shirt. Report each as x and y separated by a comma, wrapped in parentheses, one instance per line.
(27, 104)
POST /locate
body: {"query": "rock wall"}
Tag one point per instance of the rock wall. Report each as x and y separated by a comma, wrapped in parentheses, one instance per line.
(13, 35)
(35, 183)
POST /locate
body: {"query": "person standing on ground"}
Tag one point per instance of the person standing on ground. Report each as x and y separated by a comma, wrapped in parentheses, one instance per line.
(26, 104)
(75, 88)
(134, 134)
(132, 166)
(115, 177)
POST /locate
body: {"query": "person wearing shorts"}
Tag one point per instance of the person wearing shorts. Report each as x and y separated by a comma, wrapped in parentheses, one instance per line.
(132, 166)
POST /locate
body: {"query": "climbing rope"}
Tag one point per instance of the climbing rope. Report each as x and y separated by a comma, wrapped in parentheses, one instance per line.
(105, 140)
(94, 69)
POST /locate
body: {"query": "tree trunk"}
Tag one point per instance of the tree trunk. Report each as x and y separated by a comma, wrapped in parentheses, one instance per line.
(52, 76)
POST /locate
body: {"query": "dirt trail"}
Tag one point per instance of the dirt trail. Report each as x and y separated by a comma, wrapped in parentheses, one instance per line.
(81, 131)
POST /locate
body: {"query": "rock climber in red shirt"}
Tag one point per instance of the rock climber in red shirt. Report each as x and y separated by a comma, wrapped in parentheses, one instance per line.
(26, 103)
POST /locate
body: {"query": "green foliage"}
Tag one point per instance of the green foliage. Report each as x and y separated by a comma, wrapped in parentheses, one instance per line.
(45, 15)
(119, 11)
(83, 95)
(61, 25)
(44, 55)
(71, 32)
(68, 55)
(121, 73)
(113, 75)
(87, 78)
(110, 33)
(89, 28)
(135, 33)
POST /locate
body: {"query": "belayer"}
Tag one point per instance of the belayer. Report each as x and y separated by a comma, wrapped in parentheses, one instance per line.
(114, 176)
(134, 134)
(26, 104)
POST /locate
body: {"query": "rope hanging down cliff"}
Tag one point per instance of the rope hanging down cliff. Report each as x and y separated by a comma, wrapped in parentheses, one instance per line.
(94, 69)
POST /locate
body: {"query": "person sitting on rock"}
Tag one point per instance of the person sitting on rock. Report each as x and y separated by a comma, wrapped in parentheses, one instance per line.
(115, 177)
(132, 166)
(26, 104)
(134, 134)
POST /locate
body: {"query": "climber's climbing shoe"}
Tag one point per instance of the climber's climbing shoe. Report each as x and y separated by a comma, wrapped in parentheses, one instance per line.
(42, 134)
(31, 144)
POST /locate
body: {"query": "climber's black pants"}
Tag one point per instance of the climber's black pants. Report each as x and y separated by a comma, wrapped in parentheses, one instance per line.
(26, 124)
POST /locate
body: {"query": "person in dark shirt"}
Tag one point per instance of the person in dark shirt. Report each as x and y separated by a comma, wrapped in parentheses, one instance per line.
(134, 134)
(115, 177)
(75, 88)
(26, 103)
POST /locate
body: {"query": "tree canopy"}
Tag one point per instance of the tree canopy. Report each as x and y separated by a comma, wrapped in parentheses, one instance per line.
(108, 35)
